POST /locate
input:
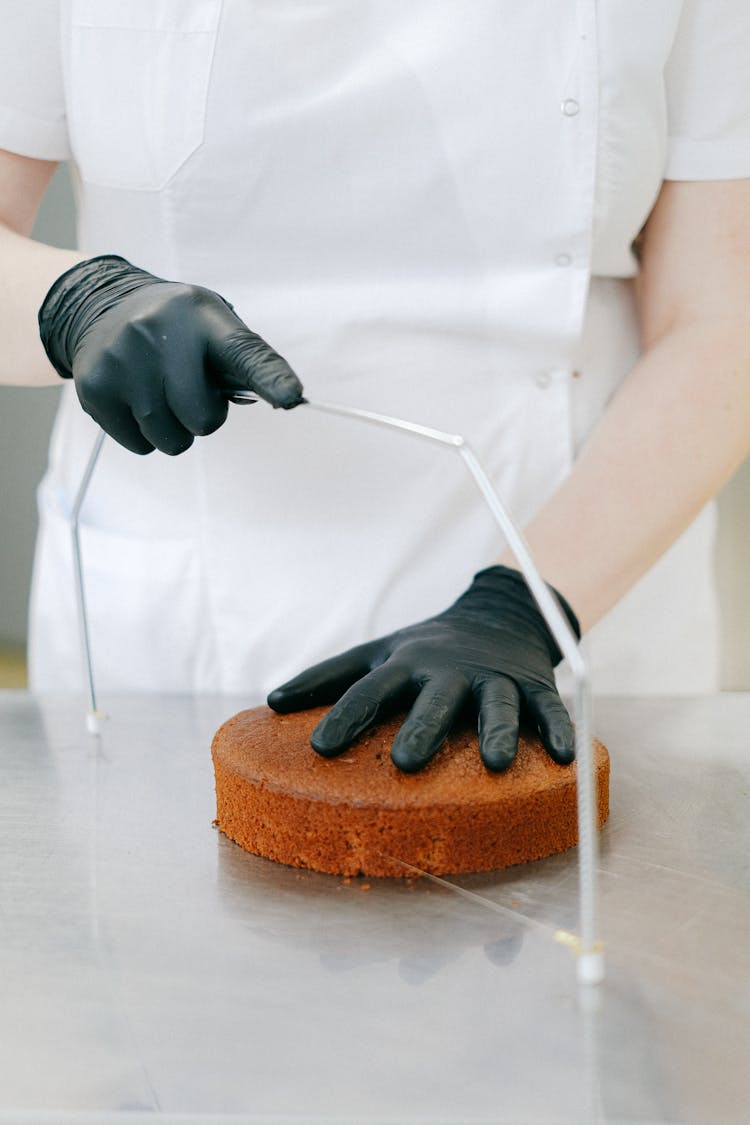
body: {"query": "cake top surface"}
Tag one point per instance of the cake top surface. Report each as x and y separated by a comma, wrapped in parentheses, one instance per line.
(274, 751)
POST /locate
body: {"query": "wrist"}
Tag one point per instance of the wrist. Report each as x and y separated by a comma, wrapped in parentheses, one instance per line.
(509, 581)
(77, 297)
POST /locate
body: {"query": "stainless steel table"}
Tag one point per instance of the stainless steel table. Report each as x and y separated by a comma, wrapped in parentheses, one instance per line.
(151, 971)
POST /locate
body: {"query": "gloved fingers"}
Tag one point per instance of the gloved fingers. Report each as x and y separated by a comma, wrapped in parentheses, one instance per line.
(95, 386)
(553, 722)
(127, 399)
(427, 725)
(499, 706)
(194, 400)
(372, 697)
(324, 682)
(159, 426)
(242, 360)
(118, 421)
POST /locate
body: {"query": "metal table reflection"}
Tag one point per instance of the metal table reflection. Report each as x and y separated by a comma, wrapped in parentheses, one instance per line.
(153, 972)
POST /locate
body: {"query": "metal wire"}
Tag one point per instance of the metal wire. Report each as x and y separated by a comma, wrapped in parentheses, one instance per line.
(590, 955)
(93, 715)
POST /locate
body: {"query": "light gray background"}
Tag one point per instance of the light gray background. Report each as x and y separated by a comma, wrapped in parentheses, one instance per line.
(26, 416)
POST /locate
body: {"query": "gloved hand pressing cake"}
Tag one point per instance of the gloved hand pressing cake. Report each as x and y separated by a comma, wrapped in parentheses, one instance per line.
(492, 644)
(150, 357)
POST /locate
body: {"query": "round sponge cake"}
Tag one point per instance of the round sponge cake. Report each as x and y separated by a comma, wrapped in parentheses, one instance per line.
(359, 814)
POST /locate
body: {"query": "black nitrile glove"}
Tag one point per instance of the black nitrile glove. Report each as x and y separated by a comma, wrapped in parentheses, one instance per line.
(491, 644)
(150, 358)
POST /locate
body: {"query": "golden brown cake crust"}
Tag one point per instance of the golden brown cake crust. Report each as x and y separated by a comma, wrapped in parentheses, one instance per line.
(359, 814)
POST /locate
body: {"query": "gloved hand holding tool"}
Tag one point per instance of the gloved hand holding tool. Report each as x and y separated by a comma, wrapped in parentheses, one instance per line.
(150, 358)
(492, 644)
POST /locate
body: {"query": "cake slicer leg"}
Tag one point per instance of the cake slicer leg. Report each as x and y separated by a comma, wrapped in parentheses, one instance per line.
(93, 715)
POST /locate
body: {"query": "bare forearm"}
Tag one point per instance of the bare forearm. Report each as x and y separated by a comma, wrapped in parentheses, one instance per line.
(671, 438)
(28, 270)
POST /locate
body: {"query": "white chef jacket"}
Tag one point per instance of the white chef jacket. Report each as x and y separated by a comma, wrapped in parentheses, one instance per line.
(428, 208)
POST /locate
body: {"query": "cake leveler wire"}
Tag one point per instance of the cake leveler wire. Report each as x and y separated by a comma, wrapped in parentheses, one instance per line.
(590, 955)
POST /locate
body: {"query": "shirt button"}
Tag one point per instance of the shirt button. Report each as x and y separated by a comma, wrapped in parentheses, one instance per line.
(563, 260)
(542, 380)
(570, 107)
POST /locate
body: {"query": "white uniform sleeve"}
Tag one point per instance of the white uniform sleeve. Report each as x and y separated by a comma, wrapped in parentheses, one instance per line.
(32, 103)
(708, 92)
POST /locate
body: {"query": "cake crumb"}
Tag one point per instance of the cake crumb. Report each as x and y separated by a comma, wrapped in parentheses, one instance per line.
(365, 886)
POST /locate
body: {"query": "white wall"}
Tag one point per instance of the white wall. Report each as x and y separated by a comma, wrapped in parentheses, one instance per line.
(25, 420)
(26, 417)
(733, 572)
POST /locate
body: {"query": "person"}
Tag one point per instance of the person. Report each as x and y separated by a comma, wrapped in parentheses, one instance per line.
(429, 210)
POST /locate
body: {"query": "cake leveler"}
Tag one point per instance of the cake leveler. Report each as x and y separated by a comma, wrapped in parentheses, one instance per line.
(590, 954)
